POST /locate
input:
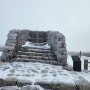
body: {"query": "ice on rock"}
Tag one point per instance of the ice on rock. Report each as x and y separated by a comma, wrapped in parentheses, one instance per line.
(30, 44)
(32, 87)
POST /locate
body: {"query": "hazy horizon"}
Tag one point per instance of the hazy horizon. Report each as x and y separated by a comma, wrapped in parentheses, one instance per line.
(70, 17)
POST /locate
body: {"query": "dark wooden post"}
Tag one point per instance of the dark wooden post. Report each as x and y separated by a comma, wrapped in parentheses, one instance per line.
(80, 54)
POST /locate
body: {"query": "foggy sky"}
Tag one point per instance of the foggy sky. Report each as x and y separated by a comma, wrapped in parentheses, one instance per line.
(70, 17)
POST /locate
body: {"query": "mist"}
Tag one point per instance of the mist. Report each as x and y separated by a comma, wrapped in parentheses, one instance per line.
(70, 17)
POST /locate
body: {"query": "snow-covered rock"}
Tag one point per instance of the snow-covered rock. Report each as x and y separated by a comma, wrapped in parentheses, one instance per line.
(32, 87)
(30, 44)
(35, 72)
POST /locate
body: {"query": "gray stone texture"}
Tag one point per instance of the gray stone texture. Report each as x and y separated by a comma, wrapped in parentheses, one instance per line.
(16, 38)
(82, 84)
(9, 51)
(79, 85)
(57, 41)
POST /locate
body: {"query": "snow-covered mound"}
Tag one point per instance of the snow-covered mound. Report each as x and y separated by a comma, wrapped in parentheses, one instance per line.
(37, 72)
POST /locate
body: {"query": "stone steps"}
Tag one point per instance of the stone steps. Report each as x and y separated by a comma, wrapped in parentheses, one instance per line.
(37, 50)
(36, 60)
(36, 57)
(35, 54)
(34, 47)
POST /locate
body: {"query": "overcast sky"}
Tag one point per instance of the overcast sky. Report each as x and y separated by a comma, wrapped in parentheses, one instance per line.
(70, 17)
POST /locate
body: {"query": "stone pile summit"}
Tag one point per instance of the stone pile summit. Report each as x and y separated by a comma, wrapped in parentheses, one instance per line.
(26, 63)
(56, 54)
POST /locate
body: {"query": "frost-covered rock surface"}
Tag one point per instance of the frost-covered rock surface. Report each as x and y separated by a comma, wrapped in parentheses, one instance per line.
(41, 71)
(26, 74)
(17, 38)
(27, 87)
(36, 72)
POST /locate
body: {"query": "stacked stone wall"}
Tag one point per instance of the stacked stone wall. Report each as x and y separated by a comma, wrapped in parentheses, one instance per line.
(16, 38)
(22, 38)
(10, 46)
(57, 41)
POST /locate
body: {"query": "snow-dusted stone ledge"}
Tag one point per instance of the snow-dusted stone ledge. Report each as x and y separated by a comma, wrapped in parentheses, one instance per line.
(47, 76)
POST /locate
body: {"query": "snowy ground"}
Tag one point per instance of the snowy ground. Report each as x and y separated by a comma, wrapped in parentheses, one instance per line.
(36, 72)
(0, 53)
(42, 72)
(85, 75)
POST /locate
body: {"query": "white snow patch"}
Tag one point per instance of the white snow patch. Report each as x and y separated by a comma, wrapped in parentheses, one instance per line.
(37, 72)
(26, 44)
(0, 53)
(30, 44)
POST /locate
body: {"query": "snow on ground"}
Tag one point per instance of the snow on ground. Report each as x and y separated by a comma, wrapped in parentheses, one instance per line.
(37, 72)
(42, 72)
(30, 44)
(85, 75)
(0, 53)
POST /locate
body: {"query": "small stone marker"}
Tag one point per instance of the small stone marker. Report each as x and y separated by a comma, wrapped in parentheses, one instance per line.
(85, 65)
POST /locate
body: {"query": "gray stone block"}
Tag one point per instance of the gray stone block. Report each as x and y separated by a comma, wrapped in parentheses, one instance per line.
(32, 87)
(63, 86)
(9, 48)
(10, 88)
(21, 83)
(11, 81)
(12, 37)
(11, 41)
(62, 56)
(11, 44)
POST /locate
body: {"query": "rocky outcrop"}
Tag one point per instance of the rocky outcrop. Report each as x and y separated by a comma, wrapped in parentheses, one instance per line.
(82, 84)
(79, 85)
(27, 75)
(13, 82)
(10, 88)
